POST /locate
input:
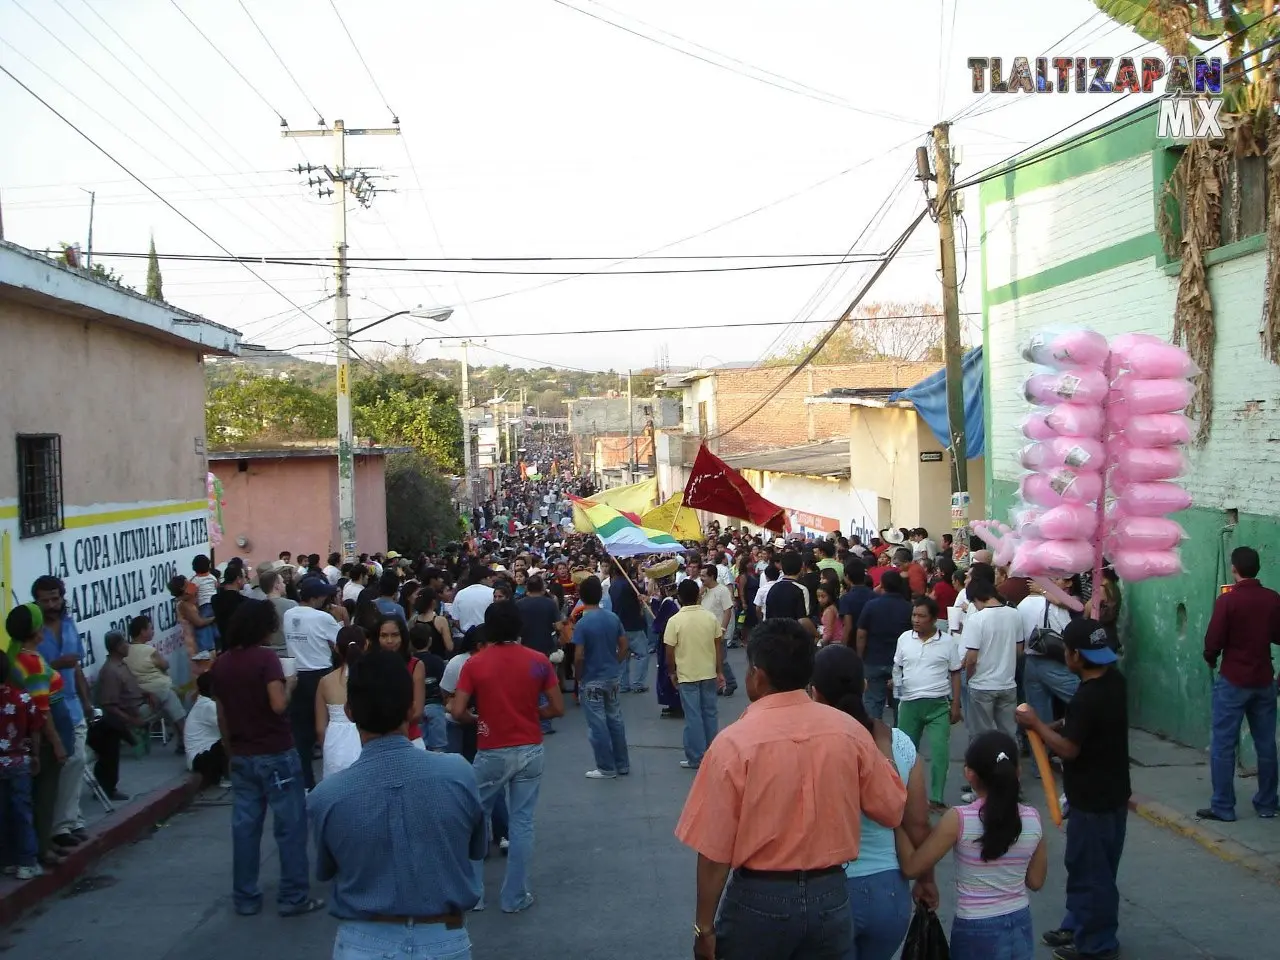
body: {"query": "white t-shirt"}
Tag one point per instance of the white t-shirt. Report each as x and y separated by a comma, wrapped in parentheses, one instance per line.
(718, 600)
(995, 633)
(200, 731)
(449, 681)
(333, 573)
(924, 548)
(309, 635)
(926, 666)
(469, 605)
(351, 590)
(1031, 610)
(763, 591)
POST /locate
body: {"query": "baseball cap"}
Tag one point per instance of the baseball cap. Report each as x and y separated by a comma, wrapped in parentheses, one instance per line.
(1089, 638)
(313, 587)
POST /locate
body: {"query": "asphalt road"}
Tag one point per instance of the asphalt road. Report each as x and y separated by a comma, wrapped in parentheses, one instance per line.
(612, 882)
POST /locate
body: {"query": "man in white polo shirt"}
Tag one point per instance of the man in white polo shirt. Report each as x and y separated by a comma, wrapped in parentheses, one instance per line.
(926, 671)
(310, 632)
(470, 603)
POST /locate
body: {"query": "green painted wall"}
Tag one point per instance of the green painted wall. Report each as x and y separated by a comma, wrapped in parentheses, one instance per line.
(1163, 621)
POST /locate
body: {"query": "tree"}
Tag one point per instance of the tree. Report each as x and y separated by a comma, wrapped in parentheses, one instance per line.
(270, 409)
(878, 331)
(408, 409)
(419, 504)
(155, 285)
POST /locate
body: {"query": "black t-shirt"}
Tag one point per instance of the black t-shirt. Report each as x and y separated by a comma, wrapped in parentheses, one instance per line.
(538, 617)
(885, 618)
(225, 603)
(1097, 721)
(786, 598)
(433, 666)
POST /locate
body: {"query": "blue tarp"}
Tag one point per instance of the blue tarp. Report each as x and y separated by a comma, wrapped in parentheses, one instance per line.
(929, 397)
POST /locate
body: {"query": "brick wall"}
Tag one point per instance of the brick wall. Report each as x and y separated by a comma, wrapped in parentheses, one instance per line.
(785, 421)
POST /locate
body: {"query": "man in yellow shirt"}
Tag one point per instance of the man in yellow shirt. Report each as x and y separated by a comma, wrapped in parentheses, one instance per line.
(694, 640)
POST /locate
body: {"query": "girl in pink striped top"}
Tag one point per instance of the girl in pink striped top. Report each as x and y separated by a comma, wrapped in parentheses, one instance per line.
(1000, 854)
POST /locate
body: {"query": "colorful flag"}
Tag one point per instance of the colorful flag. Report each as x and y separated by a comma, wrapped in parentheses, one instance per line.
(621, 537)
(716, 487)
(674, 518)
(638, 498)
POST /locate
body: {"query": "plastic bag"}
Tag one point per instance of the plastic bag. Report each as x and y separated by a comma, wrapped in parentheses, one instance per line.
(926, 940)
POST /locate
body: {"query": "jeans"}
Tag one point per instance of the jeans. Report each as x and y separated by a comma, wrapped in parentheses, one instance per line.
(1095, 842)
(698, 701)
(915, 717)
(605, 732)
(763, 919)
(1045, 679)
(257, 782)
(453, 736)
(66, 810)
(17, 820)
(634, 670)
(302, 718)
(877, 693)
(433, 727)
(880, 905)
(730, 681)
(362, 940)
(1009, 937)
(1231, 705)
(991, 710)
(518, 770)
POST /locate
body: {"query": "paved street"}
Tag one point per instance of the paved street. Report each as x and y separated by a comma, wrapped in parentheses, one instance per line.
(611, 881)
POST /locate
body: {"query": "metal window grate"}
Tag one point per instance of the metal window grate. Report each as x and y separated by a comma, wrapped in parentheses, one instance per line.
(39, 484)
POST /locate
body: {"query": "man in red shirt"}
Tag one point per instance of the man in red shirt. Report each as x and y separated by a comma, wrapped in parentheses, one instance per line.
(1244, 626)
(911, 571)
(507, 682)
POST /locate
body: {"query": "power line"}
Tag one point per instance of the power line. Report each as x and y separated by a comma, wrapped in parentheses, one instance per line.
(395, 119)
(227, 61)
(327, 258)
(799, 88)
(199, 229)
(284, 66)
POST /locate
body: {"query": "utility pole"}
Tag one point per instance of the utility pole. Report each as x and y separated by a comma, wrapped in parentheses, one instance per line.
(361, 187)
(631, 434)
(464, 411)
(946, 205)
(88, 256)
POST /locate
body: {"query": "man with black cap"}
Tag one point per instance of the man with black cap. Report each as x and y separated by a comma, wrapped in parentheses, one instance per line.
(1093, 741)
(310, 633)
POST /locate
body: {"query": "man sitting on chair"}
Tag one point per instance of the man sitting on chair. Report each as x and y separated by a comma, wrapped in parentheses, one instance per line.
(125, 709)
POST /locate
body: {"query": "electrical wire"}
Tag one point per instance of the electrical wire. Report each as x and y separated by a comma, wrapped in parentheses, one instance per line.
(284, 66)
(330, 258)
(364, 63)
(798, 88)
(227, 61)
(199, 229)
(826, 337)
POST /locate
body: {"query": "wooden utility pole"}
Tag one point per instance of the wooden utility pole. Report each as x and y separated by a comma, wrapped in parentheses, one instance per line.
(953, 351)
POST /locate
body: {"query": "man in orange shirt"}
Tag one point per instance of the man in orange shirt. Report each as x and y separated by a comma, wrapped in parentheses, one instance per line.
(911, 571)
(807, 773)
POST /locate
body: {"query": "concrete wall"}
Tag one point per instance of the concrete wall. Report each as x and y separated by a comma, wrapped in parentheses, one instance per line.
(130, 414)
(885, 444)
(609, 414)
(1072, 241)
(291, 503)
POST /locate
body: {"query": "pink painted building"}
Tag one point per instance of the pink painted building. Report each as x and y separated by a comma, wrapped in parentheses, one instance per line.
(286, 498)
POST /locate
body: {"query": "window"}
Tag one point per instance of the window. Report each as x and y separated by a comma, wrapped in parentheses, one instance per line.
(1244, 200)
(39, 484)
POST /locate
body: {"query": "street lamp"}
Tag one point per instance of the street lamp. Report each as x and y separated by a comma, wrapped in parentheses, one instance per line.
(346, 453)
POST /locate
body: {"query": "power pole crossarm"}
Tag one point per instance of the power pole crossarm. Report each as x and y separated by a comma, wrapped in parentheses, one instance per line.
(342, 180)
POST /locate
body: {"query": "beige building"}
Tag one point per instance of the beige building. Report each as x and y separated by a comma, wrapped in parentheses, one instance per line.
(102, 443)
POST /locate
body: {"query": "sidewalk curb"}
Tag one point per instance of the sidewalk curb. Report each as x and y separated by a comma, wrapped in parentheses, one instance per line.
(1216, 843)
(123, 826)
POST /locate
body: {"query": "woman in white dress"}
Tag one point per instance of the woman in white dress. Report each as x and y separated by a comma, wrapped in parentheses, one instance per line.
(336, 733)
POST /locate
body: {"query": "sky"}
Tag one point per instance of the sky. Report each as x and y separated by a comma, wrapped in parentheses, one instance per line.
(529, 128)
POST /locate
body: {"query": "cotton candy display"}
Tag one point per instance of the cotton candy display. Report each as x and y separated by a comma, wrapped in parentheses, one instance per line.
(1106, 427)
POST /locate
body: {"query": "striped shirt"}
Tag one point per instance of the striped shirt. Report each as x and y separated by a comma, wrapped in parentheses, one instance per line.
(41, 681)
(997, 888)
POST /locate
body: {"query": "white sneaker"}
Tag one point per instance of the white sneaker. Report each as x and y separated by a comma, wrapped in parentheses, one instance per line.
(28, 873)
(687, 765)
(600, 775)
(224, 784)
(967, 795)
(504, 844)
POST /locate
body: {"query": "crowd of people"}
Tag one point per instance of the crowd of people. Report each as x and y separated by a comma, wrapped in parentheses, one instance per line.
(391, 713)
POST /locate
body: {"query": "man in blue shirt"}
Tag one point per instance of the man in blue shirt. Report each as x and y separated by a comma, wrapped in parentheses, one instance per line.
(600, 645)
(388, 589)
(883, 620)
(397, 831)
(856, 595)
(61, 646)
(625, 604)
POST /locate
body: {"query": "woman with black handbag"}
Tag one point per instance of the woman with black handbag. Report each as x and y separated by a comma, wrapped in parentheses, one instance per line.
(1045, 675)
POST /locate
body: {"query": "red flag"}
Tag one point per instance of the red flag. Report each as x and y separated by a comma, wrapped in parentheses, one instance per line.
(716, 487)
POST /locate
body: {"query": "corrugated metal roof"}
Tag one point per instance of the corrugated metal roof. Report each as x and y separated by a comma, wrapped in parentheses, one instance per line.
(830, 458)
